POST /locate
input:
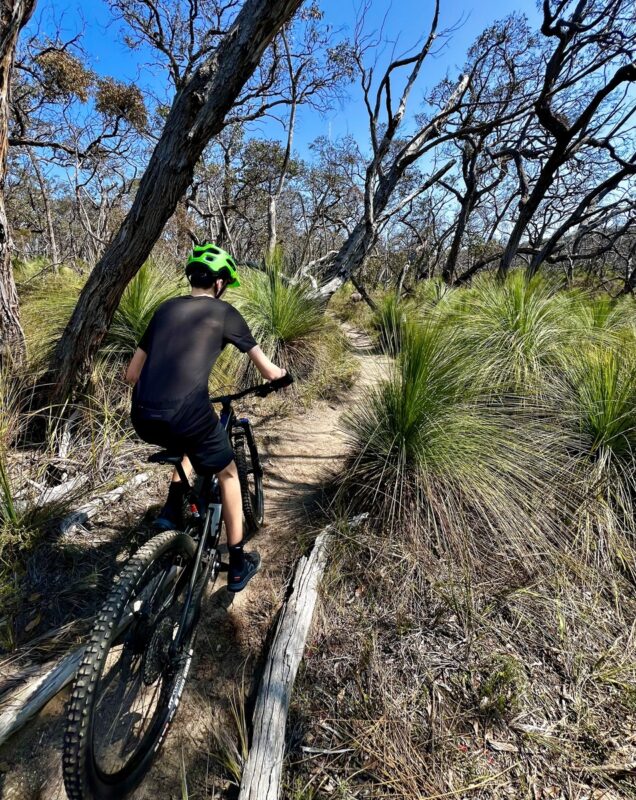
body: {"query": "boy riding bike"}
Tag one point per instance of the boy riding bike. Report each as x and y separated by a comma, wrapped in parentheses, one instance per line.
(171, 407)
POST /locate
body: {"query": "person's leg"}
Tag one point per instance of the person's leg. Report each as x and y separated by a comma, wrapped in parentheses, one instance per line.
(157, 431)
(187, 468)
(171, 515)
(243, 566)
(211, 453)
(232, 504)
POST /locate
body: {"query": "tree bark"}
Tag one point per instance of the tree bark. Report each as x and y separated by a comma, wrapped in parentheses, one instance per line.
(354, 251)
(528, 208)
(272, 233)
(197, 114)
(14, 14)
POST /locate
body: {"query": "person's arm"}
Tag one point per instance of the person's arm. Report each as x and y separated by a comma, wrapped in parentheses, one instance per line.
(267, 368)
(136, 365)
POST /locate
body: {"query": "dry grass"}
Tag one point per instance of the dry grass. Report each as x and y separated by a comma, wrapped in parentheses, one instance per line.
(424, 680)
(478, 638)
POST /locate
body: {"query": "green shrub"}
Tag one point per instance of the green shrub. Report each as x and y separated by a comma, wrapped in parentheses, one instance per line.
(358, 313)
(150, 287)
(47, 308)
(501, 682)
(389, 322)
(432, 454)
(284, 317)
(598, 405)
(517, 330)
(290, 325)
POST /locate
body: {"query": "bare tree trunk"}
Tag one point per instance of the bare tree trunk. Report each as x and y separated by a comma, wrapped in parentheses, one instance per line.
(224, 237)
(197, 114)
(354, 251)
(272, 235)
(527, 209)
(55, 258)
(400, 281)
(467, 205)
(359, 287)
(14, 14)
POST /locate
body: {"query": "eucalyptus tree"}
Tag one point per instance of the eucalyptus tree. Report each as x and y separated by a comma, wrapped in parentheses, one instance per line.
(500, 92)
(584, 108)
(66, 121)
(393, 153)
(14, 14)
(198, 112)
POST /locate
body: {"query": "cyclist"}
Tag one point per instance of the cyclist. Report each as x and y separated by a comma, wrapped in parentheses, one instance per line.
(171, 408)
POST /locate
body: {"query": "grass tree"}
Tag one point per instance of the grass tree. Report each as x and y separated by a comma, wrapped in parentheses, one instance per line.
(432, 454)
(286, 320)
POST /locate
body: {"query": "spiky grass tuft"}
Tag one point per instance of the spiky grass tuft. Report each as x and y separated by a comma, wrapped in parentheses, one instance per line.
(598, 405)
(517, 329)
(283, 316)
(291, 326)
(150, 287)
(432, 454)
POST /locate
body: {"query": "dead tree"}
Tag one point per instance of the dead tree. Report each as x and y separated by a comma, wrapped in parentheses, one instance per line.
(197, 114)
(584, 101)
(14, 14)
(500, 93)
(391, 157)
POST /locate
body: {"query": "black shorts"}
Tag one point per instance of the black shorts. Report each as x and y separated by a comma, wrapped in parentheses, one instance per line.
(205, 442)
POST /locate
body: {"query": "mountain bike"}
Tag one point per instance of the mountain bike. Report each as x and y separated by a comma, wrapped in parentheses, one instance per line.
(128, 686)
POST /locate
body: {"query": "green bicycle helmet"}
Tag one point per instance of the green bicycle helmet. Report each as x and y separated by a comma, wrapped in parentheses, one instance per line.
(217, 261)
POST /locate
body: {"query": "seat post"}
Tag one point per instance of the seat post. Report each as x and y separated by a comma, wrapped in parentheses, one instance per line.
(181, 473)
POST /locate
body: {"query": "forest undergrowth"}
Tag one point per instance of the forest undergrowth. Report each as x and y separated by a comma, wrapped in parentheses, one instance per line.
(476, 639)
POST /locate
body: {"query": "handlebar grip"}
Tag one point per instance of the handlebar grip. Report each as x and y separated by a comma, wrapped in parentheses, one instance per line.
(281, 383)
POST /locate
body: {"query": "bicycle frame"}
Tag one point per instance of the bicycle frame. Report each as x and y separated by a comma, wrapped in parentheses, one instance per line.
(233, 425)
(208, 532)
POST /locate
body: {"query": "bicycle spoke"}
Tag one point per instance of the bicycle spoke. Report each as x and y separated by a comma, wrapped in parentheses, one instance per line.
(128, 705)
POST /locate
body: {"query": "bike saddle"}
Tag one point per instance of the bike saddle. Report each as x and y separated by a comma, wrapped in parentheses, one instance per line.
(165, 457)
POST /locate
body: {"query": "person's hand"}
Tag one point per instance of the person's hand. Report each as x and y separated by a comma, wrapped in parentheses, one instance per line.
(278, 372)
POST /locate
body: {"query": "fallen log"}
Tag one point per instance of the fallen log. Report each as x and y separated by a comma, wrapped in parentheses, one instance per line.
(263, 768)
(81, 515)
(18, 707)
(47, 495)
(24, 704)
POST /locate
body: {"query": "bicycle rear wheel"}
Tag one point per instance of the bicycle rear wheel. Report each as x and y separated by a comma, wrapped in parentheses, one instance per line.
(129, 683)
(251, 480)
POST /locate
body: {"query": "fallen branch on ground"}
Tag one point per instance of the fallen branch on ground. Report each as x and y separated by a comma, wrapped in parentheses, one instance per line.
(30, 698)
(81, 515)
(262, 773)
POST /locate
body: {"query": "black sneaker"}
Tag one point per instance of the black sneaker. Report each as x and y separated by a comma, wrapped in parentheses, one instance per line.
(238, 579)
(169, 519)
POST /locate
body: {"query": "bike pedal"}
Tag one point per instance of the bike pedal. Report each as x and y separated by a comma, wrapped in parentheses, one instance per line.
(223, 566)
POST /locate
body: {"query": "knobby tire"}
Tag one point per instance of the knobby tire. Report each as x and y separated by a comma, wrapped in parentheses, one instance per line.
(83, 778)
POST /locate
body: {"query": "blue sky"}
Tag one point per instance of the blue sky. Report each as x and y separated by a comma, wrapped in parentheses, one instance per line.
(403, 22)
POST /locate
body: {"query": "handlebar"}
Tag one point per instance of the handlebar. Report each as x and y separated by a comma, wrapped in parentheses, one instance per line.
(260, 390)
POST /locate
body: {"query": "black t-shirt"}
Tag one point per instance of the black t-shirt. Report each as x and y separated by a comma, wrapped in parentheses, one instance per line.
(183, 340)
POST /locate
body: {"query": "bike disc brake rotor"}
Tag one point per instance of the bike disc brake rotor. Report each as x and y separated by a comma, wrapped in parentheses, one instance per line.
(156, 657)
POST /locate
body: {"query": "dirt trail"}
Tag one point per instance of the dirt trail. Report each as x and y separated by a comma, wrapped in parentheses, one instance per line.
(300, 453)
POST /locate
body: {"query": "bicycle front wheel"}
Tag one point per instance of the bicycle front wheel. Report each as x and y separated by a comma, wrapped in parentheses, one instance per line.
(130, 681)
(251, 480)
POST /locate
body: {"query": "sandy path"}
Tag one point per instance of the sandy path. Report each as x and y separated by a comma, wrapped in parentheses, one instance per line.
(300, 453)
